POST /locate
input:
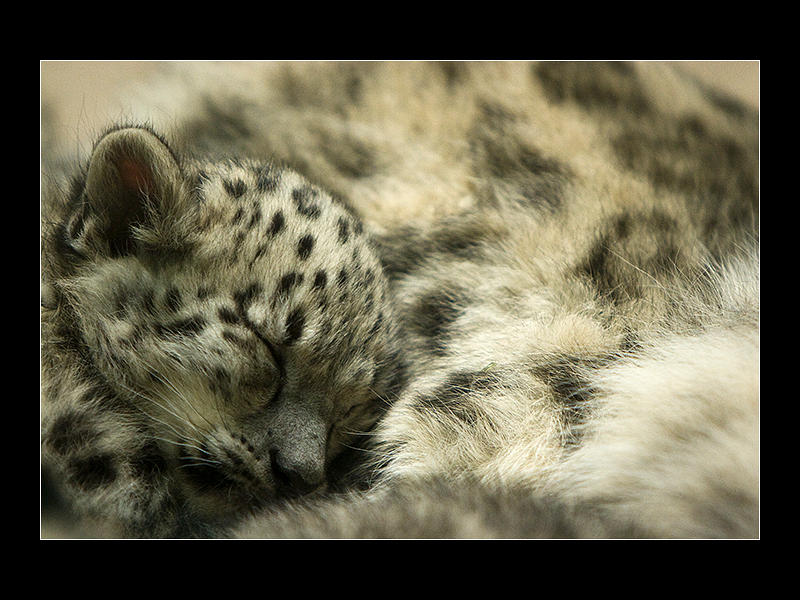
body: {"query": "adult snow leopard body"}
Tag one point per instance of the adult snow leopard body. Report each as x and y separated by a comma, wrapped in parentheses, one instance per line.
(570, 324)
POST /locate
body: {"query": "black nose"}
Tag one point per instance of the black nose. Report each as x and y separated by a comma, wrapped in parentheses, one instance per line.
(294, 478)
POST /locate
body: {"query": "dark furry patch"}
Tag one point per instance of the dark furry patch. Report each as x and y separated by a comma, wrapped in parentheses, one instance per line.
(92, 471)
(598, 86)
(71, 431)
(405, 250)
(432, 316)
(512, 168)
(454, 399)
(567, 377)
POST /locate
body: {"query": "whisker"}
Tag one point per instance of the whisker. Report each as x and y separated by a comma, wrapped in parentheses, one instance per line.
(162, 378)
(220, 412)
(384, 399)
(165, 409)
(199, 463)
(184, 444)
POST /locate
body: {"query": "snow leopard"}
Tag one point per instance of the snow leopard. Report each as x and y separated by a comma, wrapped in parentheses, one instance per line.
(224, 329)
(406, 300)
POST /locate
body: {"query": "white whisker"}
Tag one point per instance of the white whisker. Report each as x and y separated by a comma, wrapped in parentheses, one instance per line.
(162, 378)
(163, 408)
(184, 444)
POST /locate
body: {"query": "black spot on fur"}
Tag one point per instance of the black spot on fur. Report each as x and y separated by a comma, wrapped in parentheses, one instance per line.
(567, 377)
(713, 171)
(403, 251)
(604, 86)
(238, 216)
(634, 250)
(630, 343)
(220, 381)
(92, 472)
(53, 500)
(320, 280)
(356, 256)
(255, 219)
(286, 283)
(235, 189)
(182, 327)
(369, 300)
(261, 250)
(199, 180)
(203, 292)
(733, 107)
(245, 297)
(458, 242)
(277, 223)
(344, 230)
(349, 155)
(226, 315)
(341, 278)
(453, 399)
(238, 239)
(510, 166)
(432, 316)
(354, 87)
(267, 178)
(69, 432)
(294, 326)
(630, 249)
(304, 200)
(599, 269)
(454, 72)
(304, 246)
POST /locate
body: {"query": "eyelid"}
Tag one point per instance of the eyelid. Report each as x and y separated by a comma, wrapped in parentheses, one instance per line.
(355, 406)
(256, 387)
(277, 357)
(278, 360)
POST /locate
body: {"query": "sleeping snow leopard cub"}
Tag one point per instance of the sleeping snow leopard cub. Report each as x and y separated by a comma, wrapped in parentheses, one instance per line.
(570, 255)
(225, 330)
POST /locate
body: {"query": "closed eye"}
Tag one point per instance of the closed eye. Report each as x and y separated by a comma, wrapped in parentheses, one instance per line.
(277, 357)
(354, 409)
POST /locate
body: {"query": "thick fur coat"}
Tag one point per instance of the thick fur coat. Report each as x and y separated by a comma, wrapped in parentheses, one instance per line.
(540, 316)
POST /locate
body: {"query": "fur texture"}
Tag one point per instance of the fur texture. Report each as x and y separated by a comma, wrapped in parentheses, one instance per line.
(540, 319)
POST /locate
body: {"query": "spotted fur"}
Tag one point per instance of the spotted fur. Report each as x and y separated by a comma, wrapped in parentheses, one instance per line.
(533, 286)
(183, 307)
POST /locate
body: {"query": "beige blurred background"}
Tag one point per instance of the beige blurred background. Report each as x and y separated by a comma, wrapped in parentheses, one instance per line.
(81, 90)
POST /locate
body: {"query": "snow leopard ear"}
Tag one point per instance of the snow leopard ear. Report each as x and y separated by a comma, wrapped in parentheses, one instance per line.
(132, 177)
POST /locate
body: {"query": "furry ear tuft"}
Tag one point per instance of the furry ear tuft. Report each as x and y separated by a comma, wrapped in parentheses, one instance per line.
(132, 175)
